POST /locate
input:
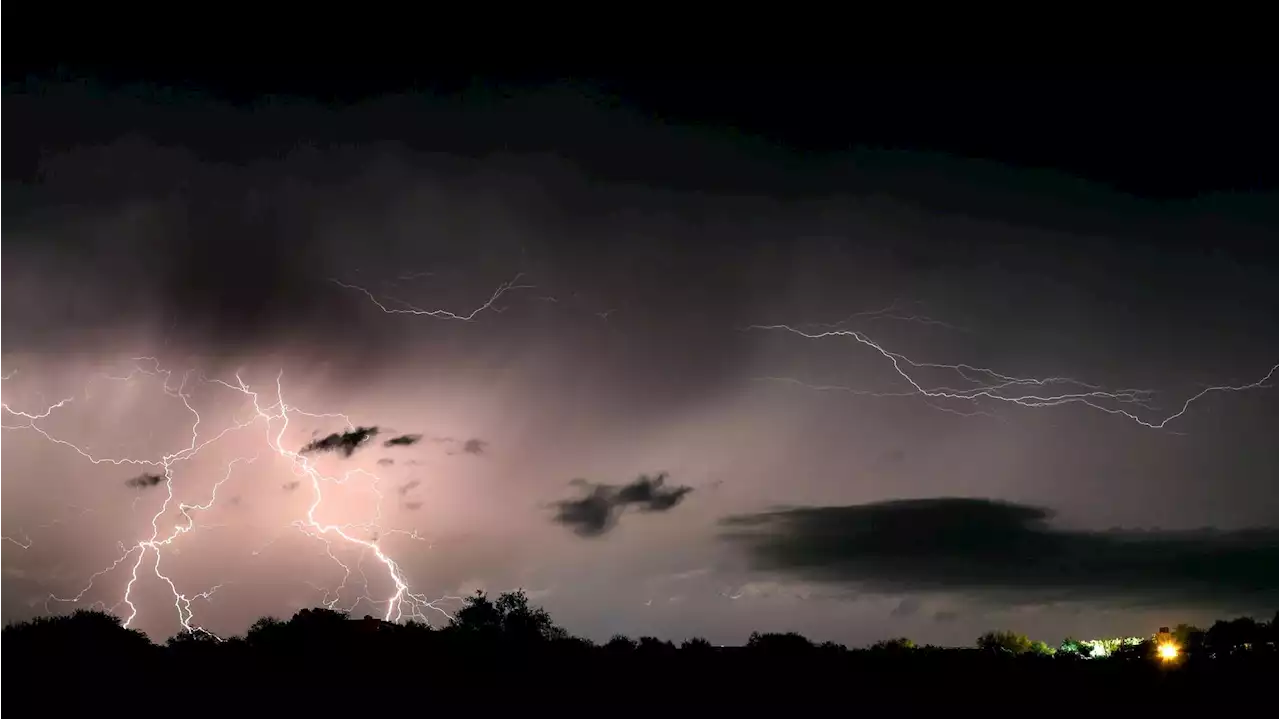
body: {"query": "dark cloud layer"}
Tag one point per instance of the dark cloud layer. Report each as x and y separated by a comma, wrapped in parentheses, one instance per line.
(230, 256)
(226, 269)
(345, 443)
(269, 295)
(597, 513)
(145, 480)
(988, 546)
(404, 440)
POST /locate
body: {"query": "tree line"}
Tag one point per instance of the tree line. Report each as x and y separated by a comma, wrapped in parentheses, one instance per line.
(508, 644)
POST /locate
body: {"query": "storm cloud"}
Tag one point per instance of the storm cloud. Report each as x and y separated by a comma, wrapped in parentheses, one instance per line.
(597, 513)
(282, 243)
(992, 547)
(144, 480)
(343, 443)
(404, 440)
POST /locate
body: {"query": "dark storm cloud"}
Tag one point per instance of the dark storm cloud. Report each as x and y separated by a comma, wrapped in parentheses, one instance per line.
(597, 513)
(409, 486)
(988, 546)
(404, 440)
(412, 506)
(345, 443)
(144, 480)
(219, 257)
(649, 494)
(590, 516)
(229, 246)
(290, 486)
(386, 462)
(237, 277)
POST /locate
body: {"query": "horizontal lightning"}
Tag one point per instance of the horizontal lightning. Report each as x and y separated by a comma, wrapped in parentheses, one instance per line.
(406, 308)
(985, 383)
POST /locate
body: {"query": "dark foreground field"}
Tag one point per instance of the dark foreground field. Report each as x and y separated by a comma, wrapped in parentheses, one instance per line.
(493, 659)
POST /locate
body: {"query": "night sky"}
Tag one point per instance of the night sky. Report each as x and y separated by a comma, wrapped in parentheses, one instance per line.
(876, 354)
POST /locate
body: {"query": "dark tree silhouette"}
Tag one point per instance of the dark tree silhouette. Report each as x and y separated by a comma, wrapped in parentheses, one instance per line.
(620, 645)
(507, 650)
(696, 644)
(789, 643)
(897, 645)
(511, 619)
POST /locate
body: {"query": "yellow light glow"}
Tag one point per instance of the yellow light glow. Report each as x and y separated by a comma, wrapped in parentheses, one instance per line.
(1168, 652)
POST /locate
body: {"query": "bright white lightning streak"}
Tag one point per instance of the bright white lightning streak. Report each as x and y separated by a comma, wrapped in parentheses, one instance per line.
(1020, 391)
(402, 604)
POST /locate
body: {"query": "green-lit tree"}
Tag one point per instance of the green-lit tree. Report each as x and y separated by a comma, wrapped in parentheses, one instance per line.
(1072, 648)
(1039, 648)
(897, 645)
(1005, 642)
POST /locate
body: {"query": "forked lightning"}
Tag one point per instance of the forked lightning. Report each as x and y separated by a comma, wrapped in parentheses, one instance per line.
(273, 418)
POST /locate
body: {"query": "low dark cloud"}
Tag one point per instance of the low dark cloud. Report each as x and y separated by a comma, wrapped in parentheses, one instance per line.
(597, 513)
(386, 462)
(986, 546)
(290, 486)
(906, 608)
(408, 487)
(412, 506)
(404, 440)
(345, 443)
(145, 480)
(590, 516)
(651, 495)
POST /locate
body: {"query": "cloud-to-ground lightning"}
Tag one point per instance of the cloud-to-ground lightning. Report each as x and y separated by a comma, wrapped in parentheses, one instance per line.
(272, 416)
(981, 383)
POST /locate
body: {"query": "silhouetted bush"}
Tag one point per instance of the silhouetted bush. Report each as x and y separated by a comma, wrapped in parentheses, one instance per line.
(507, 653)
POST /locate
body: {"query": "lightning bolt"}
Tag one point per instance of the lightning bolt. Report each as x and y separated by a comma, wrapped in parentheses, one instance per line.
(980, 383)
(896, 310)
(409, 309)
(272, 415)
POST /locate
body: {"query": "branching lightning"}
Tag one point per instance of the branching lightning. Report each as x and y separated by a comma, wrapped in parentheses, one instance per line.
(272, 415)
(981, 383)
(409, 309)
